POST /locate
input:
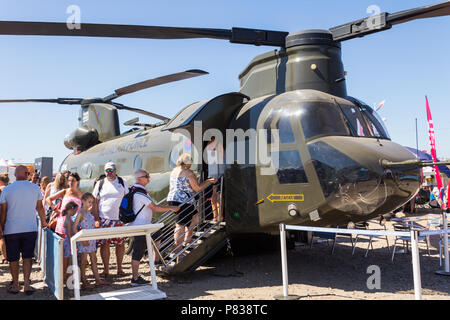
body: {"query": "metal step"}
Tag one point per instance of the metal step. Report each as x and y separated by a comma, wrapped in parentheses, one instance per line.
(201, 253)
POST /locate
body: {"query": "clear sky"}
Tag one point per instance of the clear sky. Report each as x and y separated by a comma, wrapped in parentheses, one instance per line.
(400, 65)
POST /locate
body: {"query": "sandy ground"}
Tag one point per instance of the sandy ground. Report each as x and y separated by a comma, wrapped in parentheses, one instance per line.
(314, 274)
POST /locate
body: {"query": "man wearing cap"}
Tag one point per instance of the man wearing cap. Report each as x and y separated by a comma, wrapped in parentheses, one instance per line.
(109, 192)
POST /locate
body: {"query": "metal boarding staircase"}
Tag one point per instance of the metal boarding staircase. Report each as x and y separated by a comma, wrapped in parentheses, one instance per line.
(208, 237)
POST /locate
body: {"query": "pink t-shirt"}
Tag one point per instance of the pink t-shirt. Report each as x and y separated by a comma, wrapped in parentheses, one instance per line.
(61, 219)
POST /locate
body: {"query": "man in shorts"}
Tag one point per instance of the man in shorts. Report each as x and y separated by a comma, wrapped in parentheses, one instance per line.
(109, 192)
(19, 202)
(144, 206)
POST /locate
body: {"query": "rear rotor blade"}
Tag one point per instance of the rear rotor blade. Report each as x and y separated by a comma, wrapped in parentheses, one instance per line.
(155, 82)
(58, 100)
(384, 21)
(137, 110)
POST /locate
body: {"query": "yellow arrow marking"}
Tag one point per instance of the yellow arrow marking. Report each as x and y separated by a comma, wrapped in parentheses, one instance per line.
(286, 197)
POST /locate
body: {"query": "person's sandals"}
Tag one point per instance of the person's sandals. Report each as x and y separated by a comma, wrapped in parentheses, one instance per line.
(102, 283)
(11, 290)
(86, 286)
(30, 291)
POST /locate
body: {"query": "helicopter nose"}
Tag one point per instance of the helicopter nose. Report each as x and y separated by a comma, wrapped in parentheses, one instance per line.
(402, 184)
(358, 187)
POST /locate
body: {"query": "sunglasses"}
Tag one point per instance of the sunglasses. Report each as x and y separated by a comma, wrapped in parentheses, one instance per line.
(110, 170)
(146, 176)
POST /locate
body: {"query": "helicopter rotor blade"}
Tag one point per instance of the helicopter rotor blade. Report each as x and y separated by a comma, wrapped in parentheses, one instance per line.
(58, 100)
(137, 110)
(155, 82)
(385, 21)
(235, 35)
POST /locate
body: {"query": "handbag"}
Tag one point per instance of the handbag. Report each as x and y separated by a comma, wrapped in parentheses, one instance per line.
(52, 224)
(54, 217)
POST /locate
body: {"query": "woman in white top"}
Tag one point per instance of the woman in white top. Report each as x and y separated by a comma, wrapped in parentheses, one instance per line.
(183, 185)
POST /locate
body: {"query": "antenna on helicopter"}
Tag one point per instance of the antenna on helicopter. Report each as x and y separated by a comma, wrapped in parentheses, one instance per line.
(123, 91)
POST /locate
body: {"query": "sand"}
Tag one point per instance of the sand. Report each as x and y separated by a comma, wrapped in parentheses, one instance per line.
(314, 274)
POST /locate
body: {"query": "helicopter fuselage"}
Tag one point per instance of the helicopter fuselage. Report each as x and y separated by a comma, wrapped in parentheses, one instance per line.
(310, 158)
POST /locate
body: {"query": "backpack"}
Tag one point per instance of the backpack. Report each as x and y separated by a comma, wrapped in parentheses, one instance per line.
(126, 210)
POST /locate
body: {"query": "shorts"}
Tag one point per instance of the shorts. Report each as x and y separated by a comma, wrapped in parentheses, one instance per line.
(139, 247)
(105, 223)
(185, 214)
(20, 243)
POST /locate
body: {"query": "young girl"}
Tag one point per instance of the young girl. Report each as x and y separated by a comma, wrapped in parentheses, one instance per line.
(64, 228)
(85, 220)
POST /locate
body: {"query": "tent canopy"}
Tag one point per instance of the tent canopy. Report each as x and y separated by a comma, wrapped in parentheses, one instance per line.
(425, 156)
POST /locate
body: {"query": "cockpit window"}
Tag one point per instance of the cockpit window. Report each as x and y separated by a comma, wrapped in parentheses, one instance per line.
(322, 118)
(285, 129)
(355, 120)
(376, 125)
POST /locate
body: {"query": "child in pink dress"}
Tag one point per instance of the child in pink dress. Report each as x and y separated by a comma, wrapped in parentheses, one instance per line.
(85, 220)
(64, 228)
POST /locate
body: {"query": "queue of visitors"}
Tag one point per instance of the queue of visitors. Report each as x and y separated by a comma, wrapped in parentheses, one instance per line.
(63, 208)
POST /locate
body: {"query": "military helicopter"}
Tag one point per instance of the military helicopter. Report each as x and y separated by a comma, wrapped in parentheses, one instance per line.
(331, 160)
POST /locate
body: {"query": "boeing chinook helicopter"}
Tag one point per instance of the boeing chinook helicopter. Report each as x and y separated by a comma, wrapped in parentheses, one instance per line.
(331, 160)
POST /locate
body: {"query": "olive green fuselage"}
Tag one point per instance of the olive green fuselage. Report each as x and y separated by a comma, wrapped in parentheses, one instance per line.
(312, 154)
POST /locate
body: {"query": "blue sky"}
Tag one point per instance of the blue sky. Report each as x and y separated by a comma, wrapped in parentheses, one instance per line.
(400, 65)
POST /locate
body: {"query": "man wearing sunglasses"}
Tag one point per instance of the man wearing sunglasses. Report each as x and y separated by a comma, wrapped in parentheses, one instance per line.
(145, 207)
(109, 192)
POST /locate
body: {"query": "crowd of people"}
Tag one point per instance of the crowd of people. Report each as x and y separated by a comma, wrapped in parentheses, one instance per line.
(428, 196)
(62, 207)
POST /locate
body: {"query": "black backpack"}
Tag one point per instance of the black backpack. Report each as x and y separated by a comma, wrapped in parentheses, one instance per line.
(126, 210)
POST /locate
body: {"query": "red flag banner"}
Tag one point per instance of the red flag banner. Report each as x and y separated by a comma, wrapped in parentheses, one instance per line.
(433, 147)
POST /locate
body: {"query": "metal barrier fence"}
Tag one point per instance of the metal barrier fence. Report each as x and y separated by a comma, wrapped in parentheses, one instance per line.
(108, 233)
(167, 245)
(413, 233)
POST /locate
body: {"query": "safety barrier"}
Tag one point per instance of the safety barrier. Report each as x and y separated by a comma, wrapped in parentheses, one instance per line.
(413, 233)
(170, 248)
(52, 262)
(115, 232)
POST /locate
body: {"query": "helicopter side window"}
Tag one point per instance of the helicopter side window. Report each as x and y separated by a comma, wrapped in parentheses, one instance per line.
(322, 118)
(290, 167)
(375, 123)
(356, 121)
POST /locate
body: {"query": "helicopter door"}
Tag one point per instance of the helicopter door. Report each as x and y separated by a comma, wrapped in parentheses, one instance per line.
(291, 180)
(213, 115)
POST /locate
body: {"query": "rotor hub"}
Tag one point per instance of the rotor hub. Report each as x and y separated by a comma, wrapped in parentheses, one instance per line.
(311, 37)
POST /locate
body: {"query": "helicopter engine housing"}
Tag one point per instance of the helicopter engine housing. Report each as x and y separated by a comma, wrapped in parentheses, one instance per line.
(81, 138)
(311, 60)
